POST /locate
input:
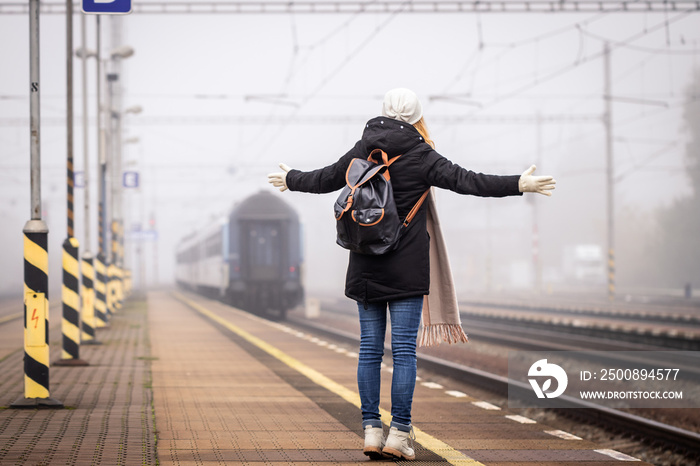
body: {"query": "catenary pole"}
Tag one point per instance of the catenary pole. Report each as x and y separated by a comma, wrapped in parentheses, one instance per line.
(607, 118)
(70, 293)
(88, 308)
(36, 255)
(100, 266)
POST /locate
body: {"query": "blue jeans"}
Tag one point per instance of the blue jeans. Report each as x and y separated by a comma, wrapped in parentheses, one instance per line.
(405, 317)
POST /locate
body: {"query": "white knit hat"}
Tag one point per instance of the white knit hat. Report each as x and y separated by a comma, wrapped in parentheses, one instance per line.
(402, 104)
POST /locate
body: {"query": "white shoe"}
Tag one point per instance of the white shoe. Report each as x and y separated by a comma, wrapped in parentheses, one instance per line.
(374, 442)
(399, 444)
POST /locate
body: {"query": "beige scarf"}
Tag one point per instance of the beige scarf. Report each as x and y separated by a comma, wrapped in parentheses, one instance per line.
(441, 320)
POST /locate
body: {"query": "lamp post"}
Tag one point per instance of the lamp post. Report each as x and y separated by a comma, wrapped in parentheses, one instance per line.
(87, 314)
(112, 163)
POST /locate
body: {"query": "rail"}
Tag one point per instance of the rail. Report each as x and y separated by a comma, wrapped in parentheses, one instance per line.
(671, 436)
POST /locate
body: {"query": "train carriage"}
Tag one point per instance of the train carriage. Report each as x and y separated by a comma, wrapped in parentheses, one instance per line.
(252, 259)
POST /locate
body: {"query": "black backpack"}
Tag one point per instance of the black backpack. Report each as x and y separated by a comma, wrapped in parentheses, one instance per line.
(367, 220)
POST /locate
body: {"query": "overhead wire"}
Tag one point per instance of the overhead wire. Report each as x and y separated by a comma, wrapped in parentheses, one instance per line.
(514, 45)
(582, 61)
(333, 73)
(638, 48)
(619, 124)
(293, 68)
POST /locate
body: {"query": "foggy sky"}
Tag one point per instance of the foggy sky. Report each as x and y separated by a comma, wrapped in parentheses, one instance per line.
(197, 76)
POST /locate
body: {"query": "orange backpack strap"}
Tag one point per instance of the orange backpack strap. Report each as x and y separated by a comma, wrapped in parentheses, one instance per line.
(383, 160)
(348, 204)
(414, 211)
(392, 160)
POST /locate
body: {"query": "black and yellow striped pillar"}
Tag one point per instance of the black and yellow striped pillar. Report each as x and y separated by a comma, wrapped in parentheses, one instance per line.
(110, 285)
(122, 270)
(118, 288)
(100, 229)
(70, 294)
(88, 311)
(115, 271)
(36, 318)
(101, 316)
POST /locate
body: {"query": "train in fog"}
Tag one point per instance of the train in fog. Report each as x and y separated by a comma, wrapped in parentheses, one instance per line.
(252, 258)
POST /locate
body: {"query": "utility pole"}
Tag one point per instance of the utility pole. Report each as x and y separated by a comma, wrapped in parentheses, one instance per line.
(607, 120)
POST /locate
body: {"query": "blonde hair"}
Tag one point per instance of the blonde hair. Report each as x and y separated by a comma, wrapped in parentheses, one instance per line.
(423, 130)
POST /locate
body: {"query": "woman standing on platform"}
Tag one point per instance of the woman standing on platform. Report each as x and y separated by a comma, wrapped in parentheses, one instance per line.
(402, 280)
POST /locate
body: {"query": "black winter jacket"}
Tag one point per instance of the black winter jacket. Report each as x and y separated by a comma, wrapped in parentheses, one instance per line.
(404, 272)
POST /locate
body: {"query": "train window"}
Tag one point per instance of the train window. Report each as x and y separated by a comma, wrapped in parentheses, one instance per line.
(264, 245)
(212, 246)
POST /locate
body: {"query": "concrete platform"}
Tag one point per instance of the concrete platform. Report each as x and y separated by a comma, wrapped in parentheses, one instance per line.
(189, 381)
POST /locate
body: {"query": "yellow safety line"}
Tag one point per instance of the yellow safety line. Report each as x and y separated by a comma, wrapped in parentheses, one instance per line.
(431, 443)
(11, 317)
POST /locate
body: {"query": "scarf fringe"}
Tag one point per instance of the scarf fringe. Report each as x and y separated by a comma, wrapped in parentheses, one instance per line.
(433, 334)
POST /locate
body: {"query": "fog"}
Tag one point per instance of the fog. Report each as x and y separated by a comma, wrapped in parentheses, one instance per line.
(227, 97)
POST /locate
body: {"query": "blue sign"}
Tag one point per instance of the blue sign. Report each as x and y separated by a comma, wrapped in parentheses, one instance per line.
(79, 179)
(115, 7)
(130, 179)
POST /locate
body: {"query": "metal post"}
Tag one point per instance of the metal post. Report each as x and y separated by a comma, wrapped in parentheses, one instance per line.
(114, 112)
(113, 271)
(489, 249)
(101, 311)
(36, 256)
(88, 308)
(607, 119)
(108, 188)
(117, 190)
(100, 143)
(70, 293)
(536, 256)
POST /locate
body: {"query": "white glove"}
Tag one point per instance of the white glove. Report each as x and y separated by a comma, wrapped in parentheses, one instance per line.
(279, 180)
(535, 184)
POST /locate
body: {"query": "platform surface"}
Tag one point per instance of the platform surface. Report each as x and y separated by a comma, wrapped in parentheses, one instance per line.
(183, 380)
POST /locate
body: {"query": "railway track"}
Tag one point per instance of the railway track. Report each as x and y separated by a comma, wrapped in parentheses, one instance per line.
(672, 437)
(671, 327)
(611, 333)
(680, 314)
(541, 330)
